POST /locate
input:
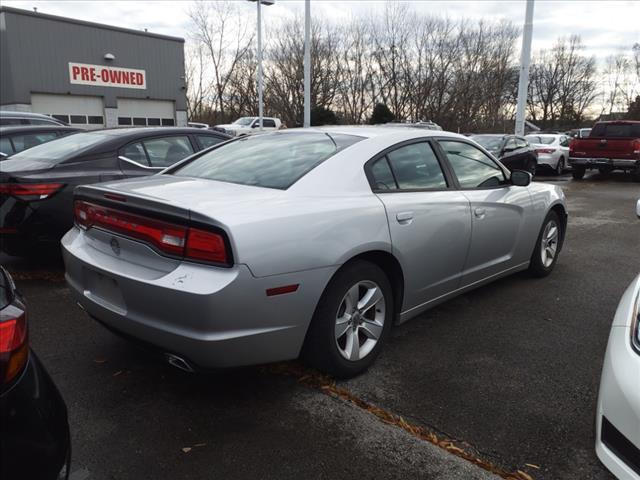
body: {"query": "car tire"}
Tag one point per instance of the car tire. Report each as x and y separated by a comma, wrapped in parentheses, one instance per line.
(531, 166)
(560, 166)
(577, 173)
(635, 175)
(605, 170)
(547, 248)
(326, 347)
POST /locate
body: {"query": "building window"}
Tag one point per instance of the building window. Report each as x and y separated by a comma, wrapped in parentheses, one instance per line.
(96, 120)
(79, 119)
(124, 120)
(153, 122)
(62, 118)
(139, 121)
(168, 122)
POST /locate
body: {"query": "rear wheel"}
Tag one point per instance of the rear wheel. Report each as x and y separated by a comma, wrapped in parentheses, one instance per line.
(560, 166)
(605, 170)
(577, 173)
(531, 167)
(545, 253)
(351, 322)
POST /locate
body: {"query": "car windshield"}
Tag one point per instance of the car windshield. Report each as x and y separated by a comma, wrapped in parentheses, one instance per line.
(59, 150)
(244, 121)
(488, 142)
(272, 161)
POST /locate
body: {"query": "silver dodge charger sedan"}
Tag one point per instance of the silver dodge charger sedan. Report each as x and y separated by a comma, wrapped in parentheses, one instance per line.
(309, 242)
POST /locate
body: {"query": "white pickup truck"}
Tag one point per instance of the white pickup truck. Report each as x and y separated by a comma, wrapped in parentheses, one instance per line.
(249, 126)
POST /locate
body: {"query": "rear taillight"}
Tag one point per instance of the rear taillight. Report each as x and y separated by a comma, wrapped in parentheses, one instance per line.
(636, 147)
(30, 191)
(14, 345)
(169, 238)
(545, 150)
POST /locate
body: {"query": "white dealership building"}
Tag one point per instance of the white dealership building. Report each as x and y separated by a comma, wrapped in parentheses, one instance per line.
(88, 74)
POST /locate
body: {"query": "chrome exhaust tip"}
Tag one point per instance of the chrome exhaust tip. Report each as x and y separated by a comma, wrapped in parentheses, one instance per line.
(178, 362)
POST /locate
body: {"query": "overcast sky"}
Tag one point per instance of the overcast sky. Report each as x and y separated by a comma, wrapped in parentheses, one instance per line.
(606, 26)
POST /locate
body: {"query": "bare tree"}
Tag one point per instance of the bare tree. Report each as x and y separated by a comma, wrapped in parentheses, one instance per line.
(197, 83)
(222, 30)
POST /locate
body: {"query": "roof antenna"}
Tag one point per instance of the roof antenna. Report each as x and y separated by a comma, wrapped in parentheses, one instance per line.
(35, 9)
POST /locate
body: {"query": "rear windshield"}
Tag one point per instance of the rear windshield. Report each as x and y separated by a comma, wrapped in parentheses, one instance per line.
(275, 160)
(616, 130)
(61, 149)
(547, 140)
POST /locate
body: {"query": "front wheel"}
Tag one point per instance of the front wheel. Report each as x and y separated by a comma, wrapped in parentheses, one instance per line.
(351, 322)
(577, 173)
(545, 253)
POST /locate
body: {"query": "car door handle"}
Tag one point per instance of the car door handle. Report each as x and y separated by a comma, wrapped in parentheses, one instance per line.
(404, 217)
(479, 212)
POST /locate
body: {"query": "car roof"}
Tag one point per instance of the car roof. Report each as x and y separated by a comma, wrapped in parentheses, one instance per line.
(140, 132)
(37, 128)
(367, 131)
(8, 113)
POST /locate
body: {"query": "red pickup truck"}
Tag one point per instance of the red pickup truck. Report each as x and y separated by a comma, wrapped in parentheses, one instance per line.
(610, 146)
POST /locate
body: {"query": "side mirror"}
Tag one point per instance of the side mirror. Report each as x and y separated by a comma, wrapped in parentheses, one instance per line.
(256, 125)
(638, 208)
(520, 178)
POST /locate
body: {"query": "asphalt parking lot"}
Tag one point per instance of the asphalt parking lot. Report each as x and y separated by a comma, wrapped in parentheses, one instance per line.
(508, 374)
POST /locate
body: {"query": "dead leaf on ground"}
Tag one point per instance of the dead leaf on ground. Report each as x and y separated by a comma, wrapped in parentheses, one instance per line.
(119, 372)
(532, 466)
(186, 449)
(200, 445)
(100, 360)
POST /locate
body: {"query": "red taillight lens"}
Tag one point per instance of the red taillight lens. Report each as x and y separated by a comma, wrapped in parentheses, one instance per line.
(176, 240)
(14, 347)
(208, 246)
(545, 150)
(30, 191)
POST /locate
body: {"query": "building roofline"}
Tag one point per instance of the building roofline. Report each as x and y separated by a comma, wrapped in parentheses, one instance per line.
(27, 13)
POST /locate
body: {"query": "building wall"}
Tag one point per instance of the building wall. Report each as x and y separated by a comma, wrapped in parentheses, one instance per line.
(36, 49)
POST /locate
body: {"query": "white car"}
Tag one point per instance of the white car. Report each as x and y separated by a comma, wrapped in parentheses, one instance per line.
(618, 412)
(250, 125)
(553, 150)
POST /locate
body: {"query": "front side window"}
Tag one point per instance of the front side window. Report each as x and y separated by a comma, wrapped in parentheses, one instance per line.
(164, 152)
(416, 166)
(268, 123)
(510, 145)
(473, 168)
(275, 160)
(5, 146)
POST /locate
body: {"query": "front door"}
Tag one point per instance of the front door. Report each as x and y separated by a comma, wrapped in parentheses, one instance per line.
(498, 211)
(429, 221)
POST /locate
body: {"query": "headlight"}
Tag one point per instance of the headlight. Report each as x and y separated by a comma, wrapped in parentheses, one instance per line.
(635, 325)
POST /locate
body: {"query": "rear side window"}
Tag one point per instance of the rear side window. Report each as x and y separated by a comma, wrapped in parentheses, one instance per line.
(24, 142)
(164, 152)
(382, 176)
(275, 160)
(472, 167)
(416, 166)
(135, 152)
(207, 141)
(267, 122)
(616, 130)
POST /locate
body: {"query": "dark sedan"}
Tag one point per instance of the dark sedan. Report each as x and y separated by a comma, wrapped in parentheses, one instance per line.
(514, 152)
(36, 185)
(34, 439)
(18, 138)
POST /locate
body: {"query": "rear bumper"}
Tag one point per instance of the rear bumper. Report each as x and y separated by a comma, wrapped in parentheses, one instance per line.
(214, 317)
(621, 163)
(35, 440)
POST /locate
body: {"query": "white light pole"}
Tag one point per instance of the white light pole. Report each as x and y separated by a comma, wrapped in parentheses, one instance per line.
(525, 60)
(259, 3)
(307, 64)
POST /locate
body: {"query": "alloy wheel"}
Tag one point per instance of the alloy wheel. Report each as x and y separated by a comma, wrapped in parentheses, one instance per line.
(549, 243)
(360, 320)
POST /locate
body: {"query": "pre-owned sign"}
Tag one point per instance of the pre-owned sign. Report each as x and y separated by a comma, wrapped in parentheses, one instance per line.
(101, 76)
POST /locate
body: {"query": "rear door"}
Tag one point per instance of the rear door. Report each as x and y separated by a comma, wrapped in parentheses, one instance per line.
(498, 211)
(429, 221)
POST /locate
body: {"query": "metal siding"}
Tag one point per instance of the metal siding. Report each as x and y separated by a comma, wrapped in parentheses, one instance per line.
(41, 49)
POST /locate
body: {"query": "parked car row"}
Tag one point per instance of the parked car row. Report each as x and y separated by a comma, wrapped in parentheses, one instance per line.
(36, 185)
